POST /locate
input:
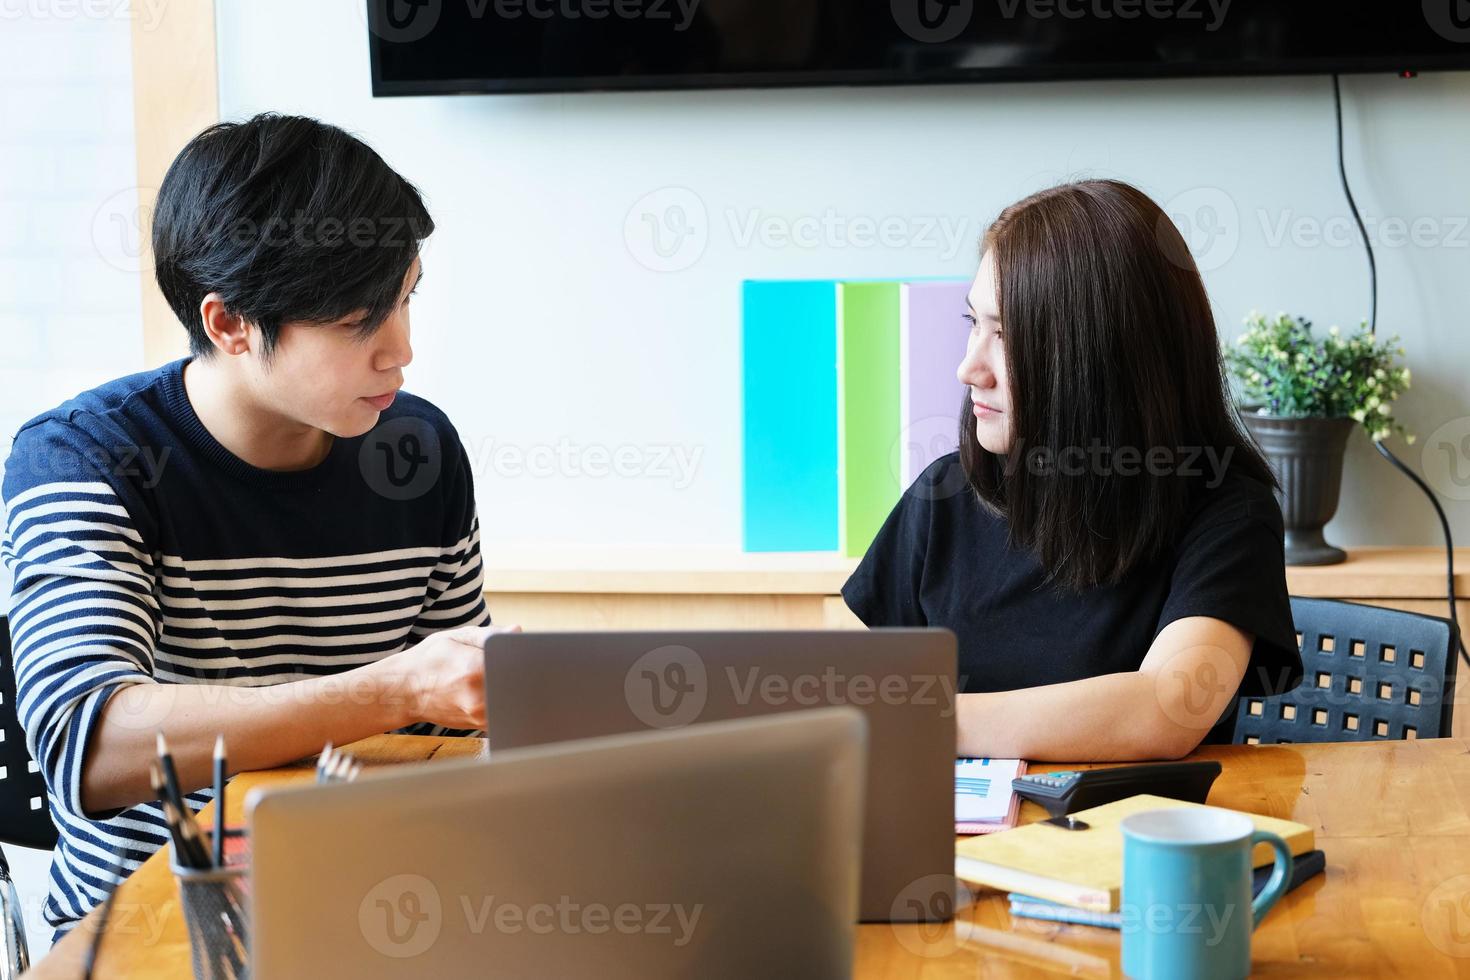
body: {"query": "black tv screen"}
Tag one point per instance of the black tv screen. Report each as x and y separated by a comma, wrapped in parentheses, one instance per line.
(422, 47)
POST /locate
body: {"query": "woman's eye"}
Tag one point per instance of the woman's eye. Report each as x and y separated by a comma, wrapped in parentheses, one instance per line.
(970, 320)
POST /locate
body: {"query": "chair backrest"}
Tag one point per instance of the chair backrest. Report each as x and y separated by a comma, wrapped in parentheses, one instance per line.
(1368, 673)
(25, 818)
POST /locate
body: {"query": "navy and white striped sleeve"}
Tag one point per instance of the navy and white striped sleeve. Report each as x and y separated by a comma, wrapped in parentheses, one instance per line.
(84, 617)
(457, 586)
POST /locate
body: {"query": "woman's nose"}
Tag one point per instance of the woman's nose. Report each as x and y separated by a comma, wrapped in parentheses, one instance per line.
(973, 369)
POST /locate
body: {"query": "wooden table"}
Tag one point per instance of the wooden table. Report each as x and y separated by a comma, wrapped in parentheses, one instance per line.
(1393, 818)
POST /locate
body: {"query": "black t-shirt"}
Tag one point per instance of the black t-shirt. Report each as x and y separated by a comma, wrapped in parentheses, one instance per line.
(942, 559)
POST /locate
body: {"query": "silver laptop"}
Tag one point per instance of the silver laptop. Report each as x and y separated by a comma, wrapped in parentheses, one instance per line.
(550, 687)
(725, 850)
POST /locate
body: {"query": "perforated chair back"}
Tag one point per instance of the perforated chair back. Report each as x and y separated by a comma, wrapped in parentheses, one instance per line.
(25, 819)
(1368, 673)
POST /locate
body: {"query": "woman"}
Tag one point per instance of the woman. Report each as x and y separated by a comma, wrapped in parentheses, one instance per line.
(1106, 544)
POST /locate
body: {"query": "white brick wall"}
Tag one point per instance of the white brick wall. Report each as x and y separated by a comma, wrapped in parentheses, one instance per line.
(69, 299)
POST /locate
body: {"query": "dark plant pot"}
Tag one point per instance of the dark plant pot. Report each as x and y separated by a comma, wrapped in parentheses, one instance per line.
(1306, 455)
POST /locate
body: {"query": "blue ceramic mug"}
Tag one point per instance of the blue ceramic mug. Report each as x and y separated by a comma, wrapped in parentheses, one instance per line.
(1186, 904)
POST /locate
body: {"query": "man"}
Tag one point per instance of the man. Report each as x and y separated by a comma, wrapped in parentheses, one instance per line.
(268, 540)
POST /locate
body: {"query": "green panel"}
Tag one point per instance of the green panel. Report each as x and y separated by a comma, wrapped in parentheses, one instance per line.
(869, 413)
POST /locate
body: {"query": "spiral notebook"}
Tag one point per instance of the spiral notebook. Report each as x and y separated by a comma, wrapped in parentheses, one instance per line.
(983, 799)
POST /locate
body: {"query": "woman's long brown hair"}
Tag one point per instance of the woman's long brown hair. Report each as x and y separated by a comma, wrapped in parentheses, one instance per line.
(1110, 342)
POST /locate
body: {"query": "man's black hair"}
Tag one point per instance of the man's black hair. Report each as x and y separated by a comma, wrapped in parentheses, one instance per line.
(288, 219)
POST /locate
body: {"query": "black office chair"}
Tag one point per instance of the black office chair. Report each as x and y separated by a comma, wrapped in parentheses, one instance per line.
(25, 818)
(1369, 673)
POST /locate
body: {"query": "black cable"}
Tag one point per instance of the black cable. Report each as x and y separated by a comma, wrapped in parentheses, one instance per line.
(1456, 642)
(1367, 244)
(1444, 525)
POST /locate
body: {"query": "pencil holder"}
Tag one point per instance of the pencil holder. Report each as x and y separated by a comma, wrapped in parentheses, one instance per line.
(217, 912)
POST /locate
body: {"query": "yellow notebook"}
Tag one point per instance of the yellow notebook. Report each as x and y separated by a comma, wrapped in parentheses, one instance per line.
(1084, 868)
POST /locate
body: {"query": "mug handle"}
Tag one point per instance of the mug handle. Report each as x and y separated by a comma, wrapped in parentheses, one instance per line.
(1280, 875)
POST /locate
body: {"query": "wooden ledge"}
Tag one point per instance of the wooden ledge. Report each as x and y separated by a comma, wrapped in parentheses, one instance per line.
(1369, 573)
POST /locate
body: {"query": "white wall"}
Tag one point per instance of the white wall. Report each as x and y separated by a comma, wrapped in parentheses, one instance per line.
(69, 301)
(69, 304)
(540, 320)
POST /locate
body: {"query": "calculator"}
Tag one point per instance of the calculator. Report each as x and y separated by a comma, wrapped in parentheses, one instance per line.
(1068, 791)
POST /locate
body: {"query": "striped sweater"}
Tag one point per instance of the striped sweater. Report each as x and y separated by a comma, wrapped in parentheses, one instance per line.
(144, 552)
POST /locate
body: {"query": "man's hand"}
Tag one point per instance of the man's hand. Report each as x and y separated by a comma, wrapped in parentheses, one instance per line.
(442, 680)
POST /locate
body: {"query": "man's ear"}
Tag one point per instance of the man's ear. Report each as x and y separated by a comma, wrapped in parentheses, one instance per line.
(229, 333)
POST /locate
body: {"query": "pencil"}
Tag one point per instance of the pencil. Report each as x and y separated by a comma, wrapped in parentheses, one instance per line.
(190, 851)
(322, 761)
(194, 839)
(156, 779)
(170, 774)
(219, 801)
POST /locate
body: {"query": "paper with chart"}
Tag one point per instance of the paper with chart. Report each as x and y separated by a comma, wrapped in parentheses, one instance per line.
(983, 798)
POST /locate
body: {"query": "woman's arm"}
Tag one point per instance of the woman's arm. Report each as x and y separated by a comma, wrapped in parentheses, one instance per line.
(1160, 711)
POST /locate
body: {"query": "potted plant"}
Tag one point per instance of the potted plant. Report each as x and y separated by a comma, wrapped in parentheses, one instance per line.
(1301, 398)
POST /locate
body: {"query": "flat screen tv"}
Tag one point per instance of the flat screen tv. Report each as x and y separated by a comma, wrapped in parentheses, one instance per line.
(423, 47)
